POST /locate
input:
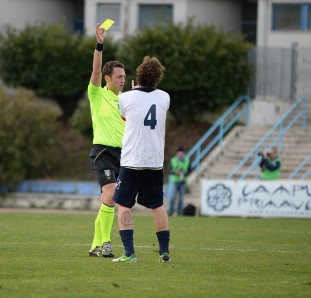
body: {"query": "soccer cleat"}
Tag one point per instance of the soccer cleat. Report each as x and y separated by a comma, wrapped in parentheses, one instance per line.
(107, 250)
(165, 257)
(96, 252)
(124, 258)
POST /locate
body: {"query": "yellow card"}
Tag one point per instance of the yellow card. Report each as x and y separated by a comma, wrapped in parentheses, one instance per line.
(106, 24)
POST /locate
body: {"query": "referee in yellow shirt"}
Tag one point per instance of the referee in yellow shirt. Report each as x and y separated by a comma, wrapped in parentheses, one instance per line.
(108, 129)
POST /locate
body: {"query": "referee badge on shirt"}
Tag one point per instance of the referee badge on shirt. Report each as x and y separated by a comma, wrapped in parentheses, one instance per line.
(107, 174)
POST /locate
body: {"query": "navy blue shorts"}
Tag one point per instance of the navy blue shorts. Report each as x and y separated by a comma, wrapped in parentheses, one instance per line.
(145, 185)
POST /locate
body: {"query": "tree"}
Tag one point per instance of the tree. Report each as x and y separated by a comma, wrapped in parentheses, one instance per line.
(51, 62)
(205, 68)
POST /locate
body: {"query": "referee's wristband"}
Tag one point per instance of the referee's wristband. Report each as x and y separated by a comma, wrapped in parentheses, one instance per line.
(99, 47)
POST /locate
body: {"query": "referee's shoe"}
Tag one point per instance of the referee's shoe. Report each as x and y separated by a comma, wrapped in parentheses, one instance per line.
(107, 250)
(96, 252)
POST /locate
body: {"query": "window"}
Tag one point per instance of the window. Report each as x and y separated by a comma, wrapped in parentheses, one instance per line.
(154, 14)
(110, 11)
(291, 17)
(309, 17)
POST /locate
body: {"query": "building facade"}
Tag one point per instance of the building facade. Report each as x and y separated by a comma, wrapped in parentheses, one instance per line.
(266, 23)
(18, 13)
(281, 23)
(132, 15)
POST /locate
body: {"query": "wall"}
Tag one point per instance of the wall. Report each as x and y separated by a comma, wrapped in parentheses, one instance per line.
(51, 201)
(90, 16)
(268, 38)
(129, 14)
(52, 194)
(267, 111)
(225, 14)
(20, 12)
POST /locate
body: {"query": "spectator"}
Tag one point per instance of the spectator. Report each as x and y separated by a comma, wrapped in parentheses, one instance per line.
(179, 170)
(270, 165)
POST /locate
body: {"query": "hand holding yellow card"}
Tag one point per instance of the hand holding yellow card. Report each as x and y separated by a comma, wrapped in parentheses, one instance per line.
(106, 24)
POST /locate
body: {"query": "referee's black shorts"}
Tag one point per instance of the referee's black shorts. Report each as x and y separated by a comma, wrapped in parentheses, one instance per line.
(105, 162)
(145, 185)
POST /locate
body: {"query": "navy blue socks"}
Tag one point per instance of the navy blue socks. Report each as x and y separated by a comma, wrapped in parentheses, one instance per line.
(128, 242)
(164, 239)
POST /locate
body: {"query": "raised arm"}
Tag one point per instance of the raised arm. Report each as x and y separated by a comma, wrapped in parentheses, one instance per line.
(96, 77)
(271, 166)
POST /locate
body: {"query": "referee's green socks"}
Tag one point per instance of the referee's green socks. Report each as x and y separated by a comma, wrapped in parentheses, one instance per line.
(106, 221)
(97, 240)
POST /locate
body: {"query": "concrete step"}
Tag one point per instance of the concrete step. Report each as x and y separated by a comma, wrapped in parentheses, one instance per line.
(243, 149)
(227, 159)
(303, 138)
(231, 158)
(252, 135)
(238, 153)
(262, 130)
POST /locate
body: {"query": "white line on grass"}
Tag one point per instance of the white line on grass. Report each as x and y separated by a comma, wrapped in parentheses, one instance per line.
(210, 249)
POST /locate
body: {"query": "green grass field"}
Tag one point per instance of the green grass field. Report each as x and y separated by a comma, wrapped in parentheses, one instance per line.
(46, 255)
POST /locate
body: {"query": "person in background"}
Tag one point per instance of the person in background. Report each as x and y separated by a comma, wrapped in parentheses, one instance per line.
(179, 170)
(270, 165)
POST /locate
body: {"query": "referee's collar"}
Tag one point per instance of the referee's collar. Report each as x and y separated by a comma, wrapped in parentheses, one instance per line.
(115, 95)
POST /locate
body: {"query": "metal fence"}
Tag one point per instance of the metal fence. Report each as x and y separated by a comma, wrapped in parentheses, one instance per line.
(303, 72)
(283, 73)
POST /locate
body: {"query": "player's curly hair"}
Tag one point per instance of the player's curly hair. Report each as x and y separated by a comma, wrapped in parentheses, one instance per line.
(150, 73)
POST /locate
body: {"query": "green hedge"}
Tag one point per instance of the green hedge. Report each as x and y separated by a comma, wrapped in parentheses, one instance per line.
(205, 68)
(81, 119)
(51, 62)
(29, 135)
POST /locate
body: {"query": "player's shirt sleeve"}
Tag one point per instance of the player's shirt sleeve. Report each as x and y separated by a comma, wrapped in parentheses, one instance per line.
(168, 99)
(121, 106)
(93, 91)
(169, 102)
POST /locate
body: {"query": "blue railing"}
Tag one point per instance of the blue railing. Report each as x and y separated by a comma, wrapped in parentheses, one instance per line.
(282, 127)
(300, 167)
(236, 112)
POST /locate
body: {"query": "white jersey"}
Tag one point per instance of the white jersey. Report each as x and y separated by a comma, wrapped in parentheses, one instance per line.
(144, 136)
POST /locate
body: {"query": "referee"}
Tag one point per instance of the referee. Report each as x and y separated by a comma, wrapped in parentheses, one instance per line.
(108, 129)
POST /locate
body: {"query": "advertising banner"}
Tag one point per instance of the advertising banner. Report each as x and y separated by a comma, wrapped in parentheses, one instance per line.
(282, 198)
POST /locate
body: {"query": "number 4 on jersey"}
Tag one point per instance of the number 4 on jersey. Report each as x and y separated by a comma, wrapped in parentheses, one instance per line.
(150, 119)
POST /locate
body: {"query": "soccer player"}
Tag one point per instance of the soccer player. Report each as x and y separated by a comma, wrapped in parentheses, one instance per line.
(141, 174)
(108, 129)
